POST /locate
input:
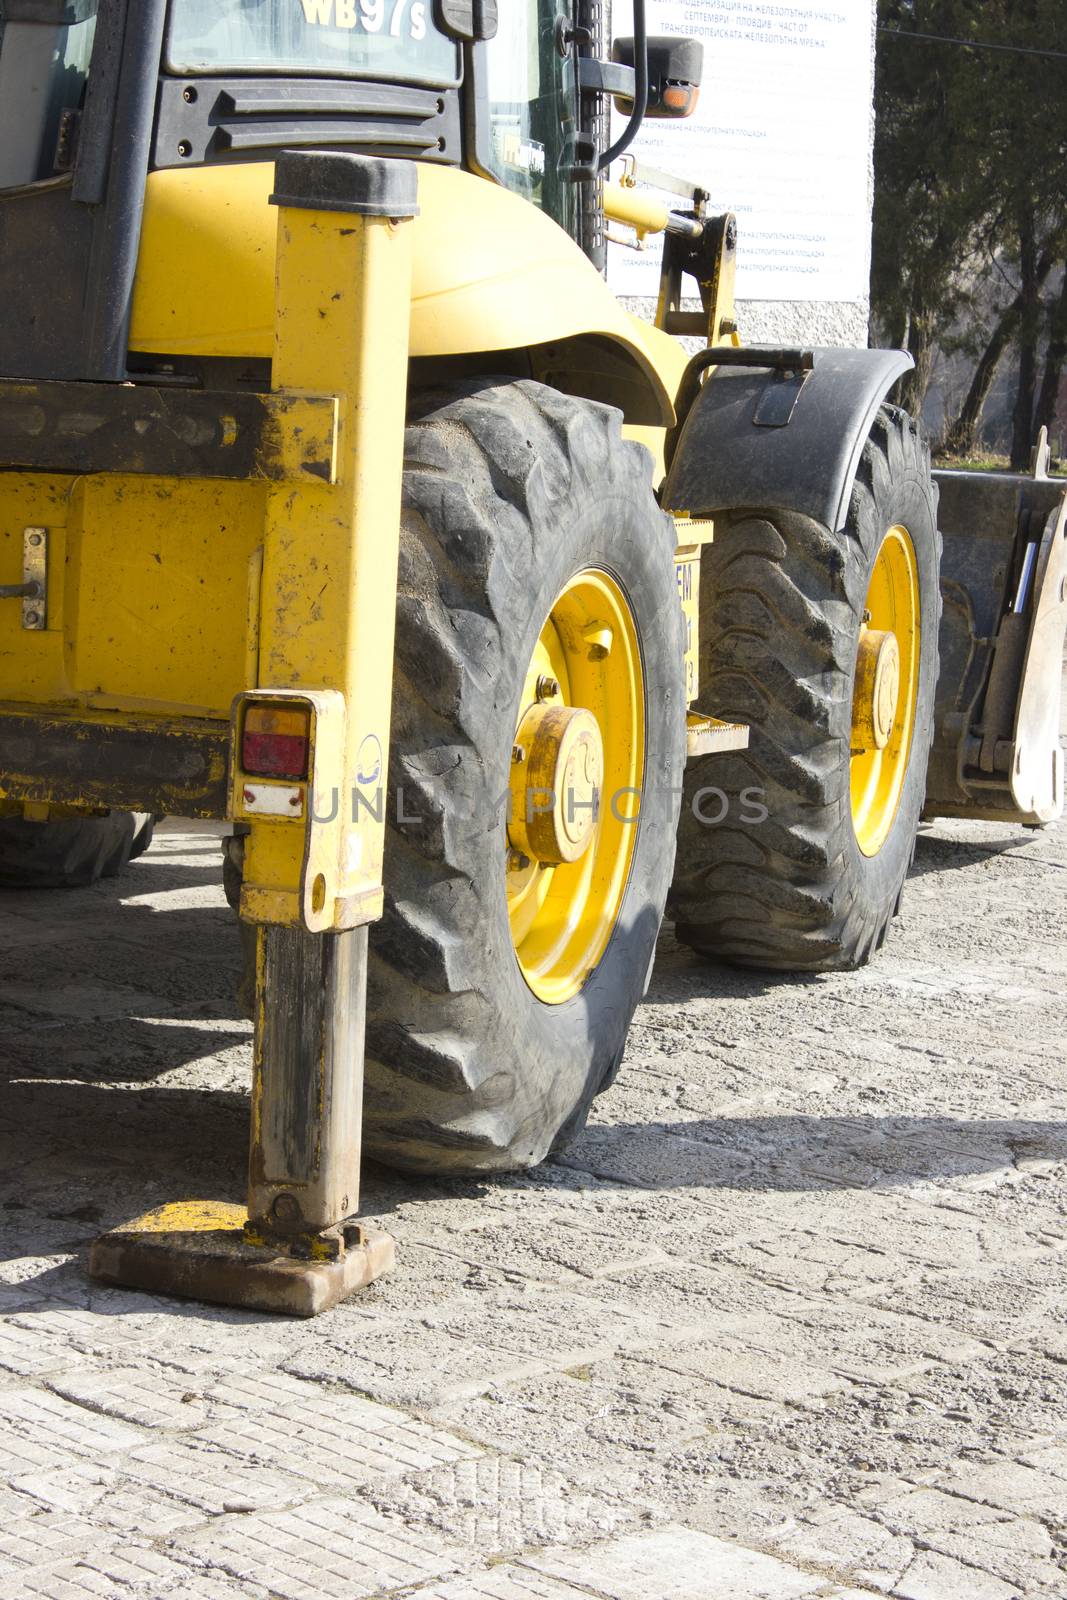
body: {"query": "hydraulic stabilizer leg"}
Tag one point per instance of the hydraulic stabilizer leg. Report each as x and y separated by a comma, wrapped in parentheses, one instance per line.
(309, 757)
(307, 1099)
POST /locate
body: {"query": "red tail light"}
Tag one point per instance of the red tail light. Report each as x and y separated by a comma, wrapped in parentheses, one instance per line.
(275, 741)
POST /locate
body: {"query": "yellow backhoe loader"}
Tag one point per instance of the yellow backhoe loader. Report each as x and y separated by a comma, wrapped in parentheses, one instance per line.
(343, 503)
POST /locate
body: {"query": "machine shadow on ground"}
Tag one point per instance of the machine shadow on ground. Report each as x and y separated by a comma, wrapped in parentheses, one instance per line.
(136, 991)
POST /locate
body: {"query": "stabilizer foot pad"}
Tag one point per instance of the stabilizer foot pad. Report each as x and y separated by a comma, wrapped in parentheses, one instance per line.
(197, 1249)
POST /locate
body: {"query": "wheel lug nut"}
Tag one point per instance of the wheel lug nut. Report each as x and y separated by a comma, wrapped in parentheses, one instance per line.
(517, 862)
(547, 688)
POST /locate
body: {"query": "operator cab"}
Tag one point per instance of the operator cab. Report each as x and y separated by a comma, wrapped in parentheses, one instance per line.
(96, 94)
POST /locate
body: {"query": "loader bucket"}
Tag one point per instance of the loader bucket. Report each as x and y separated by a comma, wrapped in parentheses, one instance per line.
(996, 751)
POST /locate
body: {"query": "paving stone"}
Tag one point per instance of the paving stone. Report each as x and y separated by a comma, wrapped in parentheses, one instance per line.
(583, 1326)
(135, 1394)
(860, 1341)
(52, 1423)
(937, 1577)
(33, 1536)
(21, 1455)
(68, 1580)
(204, 1339)
(694, 1296)
(139, 1567)
(80, 1328)
(1010, 1485)
(213, 1480)
(336, 1440)
(543, 1245)
(391, 1366)
(674, 1563)
(1017, 1549)
(503, 1583)
(27, 1351)
(735, 1365)
(328, 1548)
(131, 1573)
(271, 1390)
(207, 1345)
(110, 1499)
(855, 1546)
(657, 1158)
(496, 1505)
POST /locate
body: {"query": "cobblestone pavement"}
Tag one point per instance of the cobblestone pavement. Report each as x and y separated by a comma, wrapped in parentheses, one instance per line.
(789, 1320)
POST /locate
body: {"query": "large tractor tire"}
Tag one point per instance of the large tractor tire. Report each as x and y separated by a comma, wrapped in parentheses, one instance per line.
(538, 635)
(793, 854)
(72, 853)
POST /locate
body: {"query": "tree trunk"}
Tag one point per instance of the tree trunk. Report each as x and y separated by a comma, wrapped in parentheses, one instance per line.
(1055, 356)
(914, 384)
(1022, 432)
(961, 437)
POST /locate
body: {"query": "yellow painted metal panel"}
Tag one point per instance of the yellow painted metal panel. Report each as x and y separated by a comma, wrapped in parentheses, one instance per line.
(148, 583)
(490, 272)
(158, 591)
(32, 665)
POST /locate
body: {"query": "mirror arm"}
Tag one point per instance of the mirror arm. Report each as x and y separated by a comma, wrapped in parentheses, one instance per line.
(629, 133)
(606, 77)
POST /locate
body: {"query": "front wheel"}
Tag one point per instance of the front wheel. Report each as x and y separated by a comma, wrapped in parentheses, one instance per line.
(537, 749)
(825, 642)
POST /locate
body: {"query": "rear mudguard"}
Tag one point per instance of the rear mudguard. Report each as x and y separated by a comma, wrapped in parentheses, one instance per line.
(729, 457)
(996, 752)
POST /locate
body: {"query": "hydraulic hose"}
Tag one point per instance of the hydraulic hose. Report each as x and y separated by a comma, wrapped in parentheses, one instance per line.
(637, 115)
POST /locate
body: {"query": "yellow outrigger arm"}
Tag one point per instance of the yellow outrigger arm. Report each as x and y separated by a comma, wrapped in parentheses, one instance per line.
(313, 853)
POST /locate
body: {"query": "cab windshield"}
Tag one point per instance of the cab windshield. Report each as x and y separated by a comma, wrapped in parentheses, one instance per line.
(381, 39)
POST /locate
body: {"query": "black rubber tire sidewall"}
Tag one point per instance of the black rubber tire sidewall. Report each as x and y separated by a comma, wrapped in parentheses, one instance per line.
(782, 603)
(523, 1071)
(903, 499)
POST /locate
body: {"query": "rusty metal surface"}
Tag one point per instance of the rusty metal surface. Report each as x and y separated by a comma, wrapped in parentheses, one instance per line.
(199, 1250)
(136, 763)
(134, 428)
(307, 1084)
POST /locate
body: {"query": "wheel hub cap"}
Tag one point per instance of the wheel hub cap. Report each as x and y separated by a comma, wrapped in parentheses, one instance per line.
(574, 783)
(557, 777)
(874, 705)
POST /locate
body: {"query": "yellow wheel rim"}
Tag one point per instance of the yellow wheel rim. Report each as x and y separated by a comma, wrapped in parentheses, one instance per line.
(886, 690)
(587, 660)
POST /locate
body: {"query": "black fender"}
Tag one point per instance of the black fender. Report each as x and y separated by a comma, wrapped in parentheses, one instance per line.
(777, 436)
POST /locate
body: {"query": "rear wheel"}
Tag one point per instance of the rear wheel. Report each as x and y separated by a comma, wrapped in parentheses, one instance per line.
(793, 854)
(71, 853)
(538, 671)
